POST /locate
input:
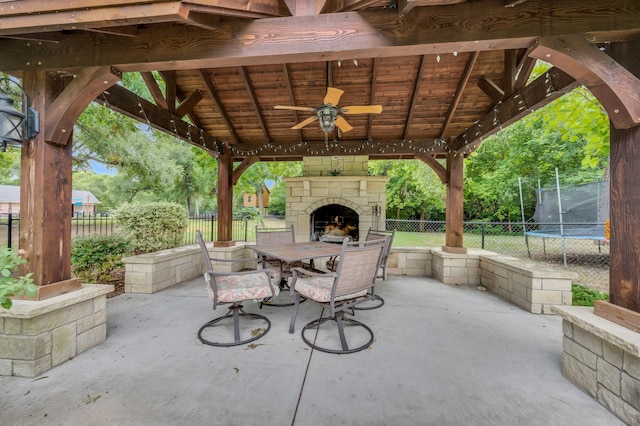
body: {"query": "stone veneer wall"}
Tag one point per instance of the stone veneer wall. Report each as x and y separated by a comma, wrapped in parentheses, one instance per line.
(603, 359)
(152, 272)
(532, 286)
(459, 269)
(38, 335)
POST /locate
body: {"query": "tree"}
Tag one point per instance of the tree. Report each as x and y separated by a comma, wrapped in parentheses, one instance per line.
(414, 191)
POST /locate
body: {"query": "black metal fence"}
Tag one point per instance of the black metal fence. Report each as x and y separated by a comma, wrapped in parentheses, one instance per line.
(90, 224)
(588, 257)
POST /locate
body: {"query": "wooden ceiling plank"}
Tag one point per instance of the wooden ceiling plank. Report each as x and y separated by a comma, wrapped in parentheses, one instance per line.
(414, 96)
(154, 89)
(188, 103)
(462, 84)
(465, 27)
(350, 5)
(254, 101)
(211, 90)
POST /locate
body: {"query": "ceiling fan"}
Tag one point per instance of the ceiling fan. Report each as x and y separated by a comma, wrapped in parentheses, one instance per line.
(327, 114)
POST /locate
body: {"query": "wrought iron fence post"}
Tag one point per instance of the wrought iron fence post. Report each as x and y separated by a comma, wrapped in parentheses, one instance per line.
(212, 223)
(9, 225)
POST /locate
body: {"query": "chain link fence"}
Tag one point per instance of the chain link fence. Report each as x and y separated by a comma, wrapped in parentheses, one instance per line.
(581, 252)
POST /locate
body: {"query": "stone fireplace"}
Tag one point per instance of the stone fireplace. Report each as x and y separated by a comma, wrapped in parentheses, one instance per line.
(335, 191)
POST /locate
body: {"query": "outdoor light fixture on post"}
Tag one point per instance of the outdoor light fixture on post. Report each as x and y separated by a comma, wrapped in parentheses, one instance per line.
(16, 126)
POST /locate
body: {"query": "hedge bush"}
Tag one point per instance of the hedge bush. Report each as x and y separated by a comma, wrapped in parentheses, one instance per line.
(585, 296)
(94, 258)
(153, 226)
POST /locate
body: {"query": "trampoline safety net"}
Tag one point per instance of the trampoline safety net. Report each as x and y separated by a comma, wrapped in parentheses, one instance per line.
(585, 209)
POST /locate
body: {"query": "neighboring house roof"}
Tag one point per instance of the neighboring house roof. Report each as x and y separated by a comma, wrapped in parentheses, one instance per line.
(11, 194)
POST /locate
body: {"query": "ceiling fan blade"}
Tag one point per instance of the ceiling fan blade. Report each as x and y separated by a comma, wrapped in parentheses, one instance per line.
(342, 124)
(303, 123)
(333, 96)
(362, 109)
(295, 108)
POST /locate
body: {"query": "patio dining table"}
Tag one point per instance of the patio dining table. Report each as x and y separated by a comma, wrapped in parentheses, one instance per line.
(299, 251)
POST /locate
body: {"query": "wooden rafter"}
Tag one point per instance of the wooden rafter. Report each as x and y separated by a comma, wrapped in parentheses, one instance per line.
(187, 104)
(211, 90)
(128, 103)
(254, 101)
(491, 89)
(292, 100)
(154, 89)
(170, 89)
(539, 93)
(372, 98)
(414, 95)
(462, 84)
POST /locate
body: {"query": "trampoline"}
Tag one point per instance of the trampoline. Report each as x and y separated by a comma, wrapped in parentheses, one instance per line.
(578, 212)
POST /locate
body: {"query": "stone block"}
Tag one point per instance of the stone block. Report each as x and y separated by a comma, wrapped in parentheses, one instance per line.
(91, 321)
(12, 325)
(100, 303)
(135, 278)
(6, 367)
(580, 353)
(63, 344)
(25, 347)
(31, 368)
(549, 297)
(556, 284)
(631, 365)
(57, 318)
(588, 340)
(567, 328)
(618, 407)
(612, 354)
(583, 376)
(91, 338)
(608, 376)
(630, 390)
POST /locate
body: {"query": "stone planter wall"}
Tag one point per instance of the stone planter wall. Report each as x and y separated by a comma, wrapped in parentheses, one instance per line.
(603, 359)
(38, 335)
(459, 269)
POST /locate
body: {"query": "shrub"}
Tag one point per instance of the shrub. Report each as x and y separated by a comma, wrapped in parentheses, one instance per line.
(10, 284)
(94, 258)
(153, 226)
(585, 296)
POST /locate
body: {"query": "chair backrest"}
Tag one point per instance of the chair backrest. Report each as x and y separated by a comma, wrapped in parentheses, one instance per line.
(358, 266)
(274, 236)
(375, 234)
(205, 253)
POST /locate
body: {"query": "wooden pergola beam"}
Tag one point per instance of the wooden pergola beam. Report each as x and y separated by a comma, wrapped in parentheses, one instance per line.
(128, 103)
(545, 89)
(462, 84)
(414, 95)
(464, 27)
(254, 101)
(212, 92)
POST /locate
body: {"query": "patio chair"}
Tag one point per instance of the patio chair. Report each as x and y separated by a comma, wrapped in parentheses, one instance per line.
(280, 270)
(338, 292)
(234, 288)
(374, 234)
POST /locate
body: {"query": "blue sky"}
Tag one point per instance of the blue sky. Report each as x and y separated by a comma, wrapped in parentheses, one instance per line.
(101, 169)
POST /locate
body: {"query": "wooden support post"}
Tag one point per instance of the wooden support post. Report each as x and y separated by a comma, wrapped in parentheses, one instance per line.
(225, 199)
(455, 204)
(45, 195)
(624, 160)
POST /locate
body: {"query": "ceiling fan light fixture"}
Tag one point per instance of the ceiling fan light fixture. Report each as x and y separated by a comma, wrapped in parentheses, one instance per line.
(327, 115)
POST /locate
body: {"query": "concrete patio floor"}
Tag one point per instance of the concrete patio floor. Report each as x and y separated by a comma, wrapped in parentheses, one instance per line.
(442, 355)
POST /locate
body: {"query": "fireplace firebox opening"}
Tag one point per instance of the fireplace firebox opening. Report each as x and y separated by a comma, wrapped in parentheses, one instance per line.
(334, 220)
